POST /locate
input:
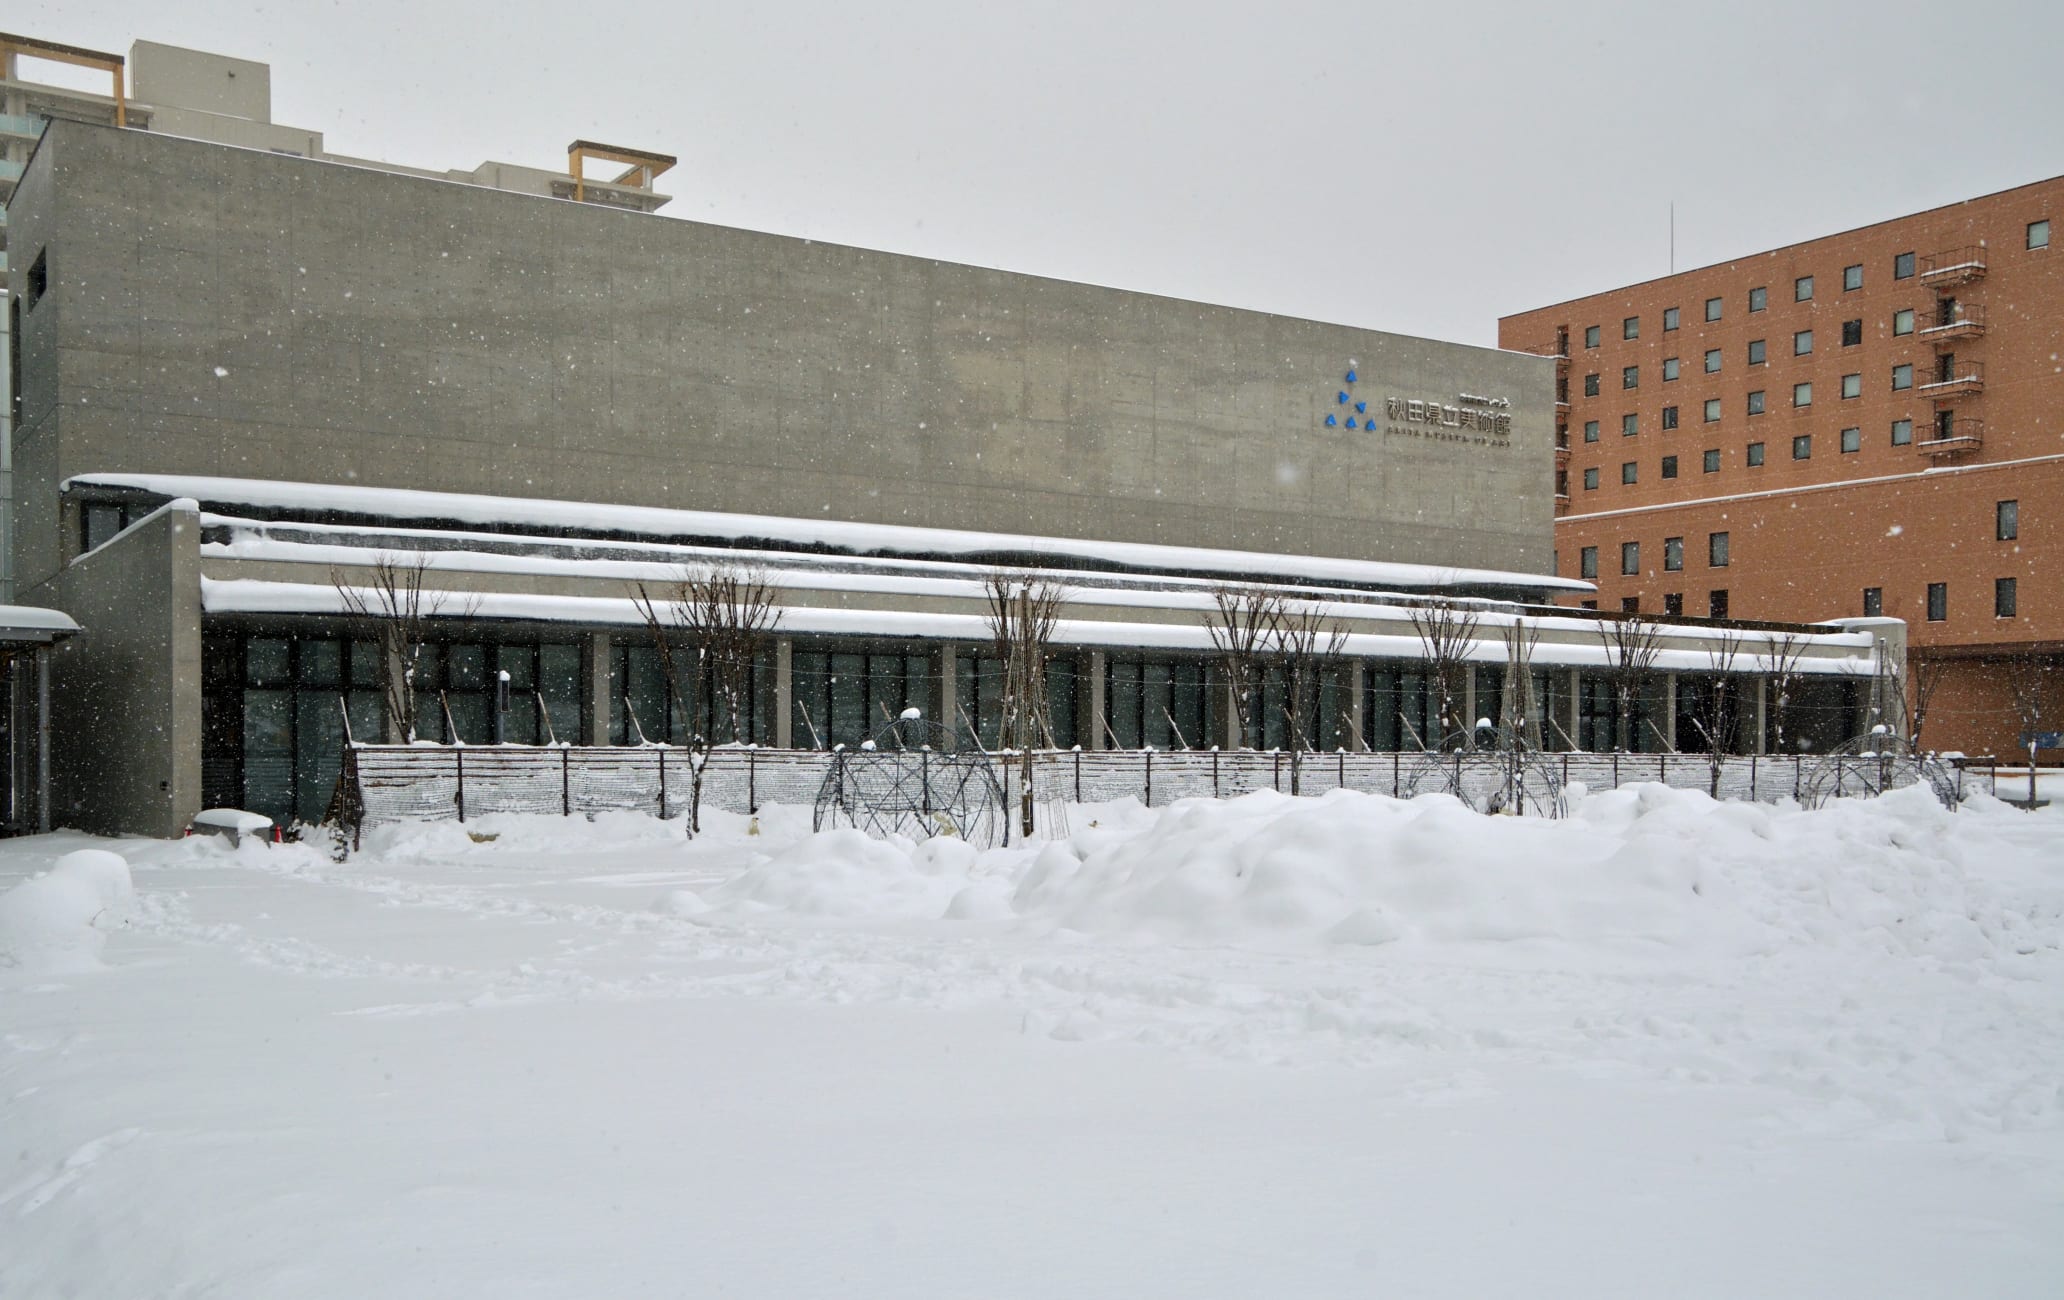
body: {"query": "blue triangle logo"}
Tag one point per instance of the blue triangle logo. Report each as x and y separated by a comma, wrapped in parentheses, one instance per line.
(1332, 423)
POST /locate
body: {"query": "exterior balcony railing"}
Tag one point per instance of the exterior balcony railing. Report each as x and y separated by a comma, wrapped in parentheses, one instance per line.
(1957, 380)
(1964, 321)
(1959, 438)
(1953, 265)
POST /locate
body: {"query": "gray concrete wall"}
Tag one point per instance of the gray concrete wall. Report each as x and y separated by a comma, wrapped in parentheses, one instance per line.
(126, 692)
(226, 311)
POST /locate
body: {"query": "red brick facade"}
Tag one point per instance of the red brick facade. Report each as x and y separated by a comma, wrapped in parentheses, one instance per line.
(1885, 475)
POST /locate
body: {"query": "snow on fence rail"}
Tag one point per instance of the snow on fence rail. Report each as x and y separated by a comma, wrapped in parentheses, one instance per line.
(435, 782)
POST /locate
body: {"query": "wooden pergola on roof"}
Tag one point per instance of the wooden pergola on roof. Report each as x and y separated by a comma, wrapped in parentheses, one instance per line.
(13, 47)
(645, 167)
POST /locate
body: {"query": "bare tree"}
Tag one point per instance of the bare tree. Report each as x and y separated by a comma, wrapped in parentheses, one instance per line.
(1717, 717)
(1781, 662)
(1244, 621)
(1447, 632)
(728, 612)
(724, 614)
(1632, 645)
(2029, 679)
(1926, 672)
(1308, 647)
(1023, 612)
(1522, 711)
(394, 610)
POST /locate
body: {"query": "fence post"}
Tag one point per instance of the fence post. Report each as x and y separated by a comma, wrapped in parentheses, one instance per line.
(1150, 778)
(1341, 755)
(460, 756)
(1395, 761)
(565, 782)
(1755, 795)
(1078, 776)
(752, 785)
(1216, 793)
(662, 784)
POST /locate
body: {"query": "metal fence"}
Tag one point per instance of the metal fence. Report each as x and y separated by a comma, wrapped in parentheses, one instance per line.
(435, 782)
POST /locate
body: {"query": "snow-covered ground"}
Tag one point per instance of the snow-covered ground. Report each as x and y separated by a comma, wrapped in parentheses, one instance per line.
(1269, 1047)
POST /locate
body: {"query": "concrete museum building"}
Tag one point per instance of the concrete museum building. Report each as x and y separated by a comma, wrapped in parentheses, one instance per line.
(243, 375)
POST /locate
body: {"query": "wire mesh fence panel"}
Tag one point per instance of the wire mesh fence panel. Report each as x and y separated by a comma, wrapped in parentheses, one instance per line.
(436, 782)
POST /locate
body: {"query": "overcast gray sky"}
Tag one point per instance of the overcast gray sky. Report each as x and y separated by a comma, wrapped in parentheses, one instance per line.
(1421, 168)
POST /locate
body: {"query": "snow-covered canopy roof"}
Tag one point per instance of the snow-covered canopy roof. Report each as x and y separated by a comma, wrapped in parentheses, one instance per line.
(34, 624)
(583, 518)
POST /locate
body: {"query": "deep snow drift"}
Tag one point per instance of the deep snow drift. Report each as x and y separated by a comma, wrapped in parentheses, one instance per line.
(1337, 1046)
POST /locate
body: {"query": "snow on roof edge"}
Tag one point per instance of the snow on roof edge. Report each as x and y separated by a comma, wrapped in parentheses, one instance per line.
(261, 596)
(661, 521)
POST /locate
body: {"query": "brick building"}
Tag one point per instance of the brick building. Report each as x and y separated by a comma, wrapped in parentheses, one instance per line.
(1867, 423)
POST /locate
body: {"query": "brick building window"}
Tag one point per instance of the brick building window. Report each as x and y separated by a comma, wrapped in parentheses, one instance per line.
(1630, 424)
(1669, 467)
(1630, 604)
(1712, 361)
(1902, 321)
(1852, 277)
(1756, 352)
(1591, 479)
(1630, 328)
(1669, 417)
(1591, 384)
(1852, 386)
(1712, 309)
(1902, 266)
(1630, 559)
(1802, 394)
(1756, 402)
(1587, 562)
(1759, 299)
(1902, 377)
(1712, 410)
(1716, 603)
(1902, 433)
(1590, 431)
(1716, 550)
(1630, 471)
(1673, 554)
(1669, 369)
(1630, 377)
(1873, 602)
(1802, 289)
(2003, 598)
(1710, 462)
(2006, 521)
(1802, 447)
(1852, 333)
(1673, 603)
(1590, 336)
(1802, 343)
(1669, 319)
(2039, 234)
(1938, 602)
(1852, 440)
(1755, 454)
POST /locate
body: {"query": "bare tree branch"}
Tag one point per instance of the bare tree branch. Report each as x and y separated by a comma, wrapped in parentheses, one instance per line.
(1631, 647)
(1447, 632)
(1244, 620)
(1307, 646)
(1522, 711)
(1781, 661)
(394, 610)
(1023, 611)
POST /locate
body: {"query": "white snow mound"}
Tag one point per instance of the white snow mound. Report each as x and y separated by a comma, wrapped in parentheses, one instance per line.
(54, 922)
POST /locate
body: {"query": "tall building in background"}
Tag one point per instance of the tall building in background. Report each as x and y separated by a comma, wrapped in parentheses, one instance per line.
(201, 96)
(1869, 423)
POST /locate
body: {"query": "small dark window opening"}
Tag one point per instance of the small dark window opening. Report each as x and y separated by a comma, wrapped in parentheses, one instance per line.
(1873, 602)
(37, 282)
